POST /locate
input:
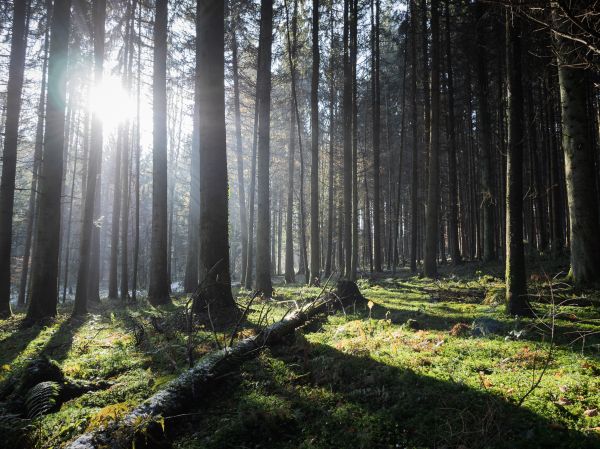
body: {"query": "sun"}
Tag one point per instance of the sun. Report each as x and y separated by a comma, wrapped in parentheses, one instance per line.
(111, 101)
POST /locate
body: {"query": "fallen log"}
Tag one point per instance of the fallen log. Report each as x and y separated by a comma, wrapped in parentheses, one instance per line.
(145, 425)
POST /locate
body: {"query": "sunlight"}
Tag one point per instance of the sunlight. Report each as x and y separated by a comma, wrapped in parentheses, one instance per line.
(111, 101)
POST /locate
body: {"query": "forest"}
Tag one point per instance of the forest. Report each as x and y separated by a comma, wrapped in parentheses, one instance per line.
(299, 224)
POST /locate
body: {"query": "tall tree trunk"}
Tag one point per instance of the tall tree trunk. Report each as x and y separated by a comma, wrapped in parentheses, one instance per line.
(44, 283)
(263, 227)
(578, 148)
(485, 135)
(330, 206)
(353, 124)
(250, 261)
(239, 153)
(347, 111)
(376, 146)
(453, 239)
(136, 239)
(37, 160)
(70, 215)
(18, 47)
(158, 290)
(191, 268)
(315, 252)
(433, 191)
(516, 278)
(113, 289)
(414, 193)
(290, 275)
(214, 223)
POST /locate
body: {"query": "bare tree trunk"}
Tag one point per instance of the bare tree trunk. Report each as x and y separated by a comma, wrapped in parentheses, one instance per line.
(239, 152)
(453, 238)
(347, 111)
(214, 223)
(516, 278)
(414, 193)
(354, 125)
(70, 216)
(578, 148)
(485, 131)
(37, 159)
(263, 261)
(330, 206)
(44, 283)
(376, 146)
(315, 252)
(158, 291)
(432, 220)
(16, 69)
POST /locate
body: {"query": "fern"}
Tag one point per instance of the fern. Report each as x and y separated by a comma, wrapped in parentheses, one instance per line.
(42, 399)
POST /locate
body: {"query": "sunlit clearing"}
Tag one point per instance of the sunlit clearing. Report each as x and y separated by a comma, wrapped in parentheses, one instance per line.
(112, 102)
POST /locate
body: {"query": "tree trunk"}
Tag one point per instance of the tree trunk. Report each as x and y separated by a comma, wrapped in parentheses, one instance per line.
(44, 283)
(484, 125)
(158, 290)
(578, 148)
(330, 206)
(433, 191)
(37, 160)
(263, 226)
(214, 224)
(347, 106)
(453, 239)
(376, 144)
(16, 69)
(315, 252)
(354, 122)
(240, 153)
(516, 278)
(414, 193)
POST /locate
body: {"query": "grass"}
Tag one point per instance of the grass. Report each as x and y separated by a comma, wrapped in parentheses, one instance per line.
(407, 373)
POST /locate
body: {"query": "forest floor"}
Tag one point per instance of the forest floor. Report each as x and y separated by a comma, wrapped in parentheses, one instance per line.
(433, 364)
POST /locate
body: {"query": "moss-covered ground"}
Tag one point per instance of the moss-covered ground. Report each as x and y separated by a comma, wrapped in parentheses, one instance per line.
(407, 373)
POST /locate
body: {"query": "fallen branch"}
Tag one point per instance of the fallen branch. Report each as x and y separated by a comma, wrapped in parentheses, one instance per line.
(146, 422)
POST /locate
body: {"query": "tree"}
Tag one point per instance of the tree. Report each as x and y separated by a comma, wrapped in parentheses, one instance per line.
(315, 252)
(414, 192)
(347, 118)
(485, 131)
(95, 156)
(214, 223)
(376, 145)
(290, 275)
(516, 278)
(239, 149)
(582, 195)
(44, 282)
(433, 191)
(18, 47)
(263, 216)
(453, 238)
(158, 290)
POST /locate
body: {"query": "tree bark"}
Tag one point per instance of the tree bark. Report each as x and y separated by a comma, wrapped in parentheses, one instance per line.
(18, 47)
(44, 283)
(433, 191)
(263, 226)
(315, 252)
(515, 276)
(158, 291)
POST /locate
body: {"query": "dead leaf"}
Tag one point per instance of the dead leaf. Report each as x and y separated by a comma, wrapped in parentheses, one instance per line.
(591, 412)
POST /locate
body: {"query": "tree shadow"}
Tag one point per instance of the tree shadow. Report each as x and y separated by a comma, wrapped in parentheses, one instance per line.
(17, 341)
(312, 395)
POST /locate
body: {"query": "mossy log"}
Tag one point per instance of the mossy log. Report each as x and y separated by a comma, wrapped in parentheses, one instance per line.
(145, 425)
